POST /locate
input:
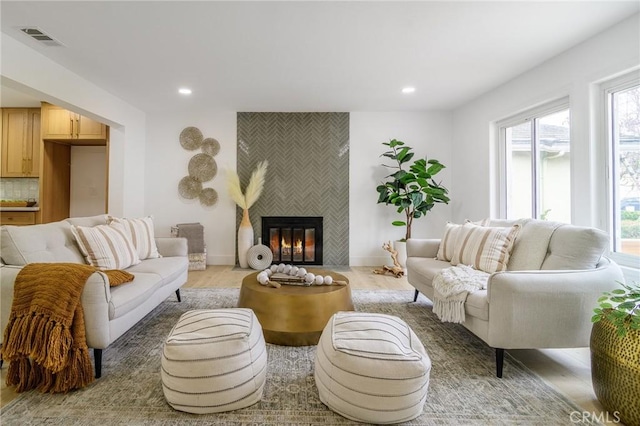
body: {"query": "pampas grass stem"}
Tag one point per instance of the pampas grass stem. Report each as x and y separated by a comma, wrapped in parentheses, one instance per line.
(233, 185)
(254, 188)
(256, 184)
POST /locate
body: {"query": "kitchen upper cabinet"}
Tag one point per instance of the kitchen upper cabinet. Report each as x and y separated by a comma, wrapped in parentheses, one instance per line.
(20, 142)
(65, 126)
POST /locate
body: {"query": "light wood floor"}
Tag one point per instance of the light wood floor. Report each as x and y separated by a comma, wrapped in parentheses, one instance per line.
(567, 370)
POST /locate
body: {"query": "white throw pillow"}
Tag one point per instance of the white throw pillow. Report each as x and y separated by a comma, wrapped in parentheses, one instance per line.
(448, 242)
(485, 248)
(106, 246)
(141, 234)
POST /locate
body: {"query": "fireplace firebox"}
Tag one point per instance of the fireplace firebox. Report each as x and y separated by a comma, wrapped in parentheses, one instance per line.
(293, 239)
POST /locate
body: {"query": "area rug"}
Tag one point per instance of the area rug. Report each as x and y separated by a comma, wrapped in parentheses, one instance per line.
(463, 388)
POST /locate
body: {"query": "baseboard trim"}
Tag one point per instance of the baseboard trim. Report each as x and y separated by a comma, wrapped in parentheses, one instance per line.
(220, 260)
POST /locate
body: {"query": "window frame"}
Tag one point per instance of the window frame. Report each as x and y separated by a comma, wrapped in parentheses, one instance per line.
(606, 92)
(528, 116)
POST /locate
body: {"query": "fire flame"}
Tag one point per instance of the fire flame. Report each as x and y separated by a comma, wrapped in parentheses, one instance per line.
(286, 247)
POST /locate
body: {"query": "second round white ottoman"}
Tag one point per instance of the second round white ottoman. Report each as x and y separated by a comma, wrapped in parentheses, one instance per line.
(372, 368)
(214, 360)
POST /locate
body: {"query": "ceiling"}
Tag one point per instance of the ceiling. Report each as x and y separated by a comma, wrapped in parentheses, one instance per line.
(305, 56)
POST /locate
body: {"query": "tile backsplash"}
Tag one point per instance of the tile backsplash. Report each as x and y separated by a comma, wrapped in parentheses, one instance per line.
(19, 188)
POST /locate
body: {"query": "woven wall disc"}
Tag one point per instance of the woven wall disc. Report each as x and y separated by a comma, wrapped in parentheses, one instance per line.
(202, 167)
(259, 256)
(210, 146)
(208, 197)
(191, 138)
(189, 187)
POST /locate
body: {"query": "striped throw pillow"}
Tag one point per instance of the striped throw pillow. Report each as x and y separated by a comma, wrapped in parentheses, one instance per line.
(106, 246)
(485, 248)
(141, 234)
(448, 242)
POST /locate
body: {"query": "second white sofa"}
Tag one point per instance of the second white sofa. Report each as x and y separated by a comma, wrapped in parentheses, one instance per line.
(545, 298)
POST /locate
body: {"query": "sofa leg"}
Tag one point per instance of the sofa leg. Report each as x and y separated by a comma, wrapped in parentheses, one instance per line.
(178, 295)
(97, 358)
(415, 295)
(499, 361)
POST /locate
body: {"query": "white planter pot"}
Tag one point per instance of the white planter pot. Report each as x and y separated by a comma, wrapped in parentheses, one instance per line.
(245, 239)
(401, 248)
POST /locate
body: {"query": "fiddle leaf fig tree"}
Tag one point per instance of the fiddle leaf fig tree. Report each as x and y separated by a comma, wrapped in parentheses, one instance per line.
(411, 187)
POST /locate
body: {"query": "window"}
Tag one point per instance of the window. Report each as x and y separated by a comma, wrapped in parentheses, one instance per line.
(536, 164)
(623, 128)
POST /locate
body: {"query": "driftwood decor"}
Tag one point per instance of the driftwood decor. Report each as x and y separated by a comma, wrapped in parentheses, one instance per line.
(396, 269)
(290, 280)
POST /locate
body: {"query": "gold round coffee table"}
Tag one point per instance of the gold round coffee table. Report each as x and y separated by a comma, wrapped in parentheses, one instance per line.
(295, 315)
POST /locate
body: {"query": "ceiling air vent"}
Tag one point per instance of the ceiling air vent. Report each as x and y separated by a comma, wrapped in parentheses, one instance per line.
(43, 38)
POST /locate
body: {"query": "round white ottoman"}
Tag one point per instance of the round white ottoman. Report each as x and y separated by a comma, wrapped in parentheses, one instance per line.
(372, 368)
(214, 360)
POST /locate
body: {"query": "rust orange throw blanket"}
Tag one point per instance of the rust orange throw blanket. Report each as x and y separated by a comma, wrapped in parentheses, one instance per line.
(45, 339)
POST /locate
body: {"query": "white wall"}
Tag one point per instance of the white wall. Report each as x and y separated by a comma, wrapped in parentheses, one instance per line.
(462, 140)
(146, 160)
(429, 133)
(572, 73)
(88, 190)
(26, 70)
(370, 223)
(167, 163)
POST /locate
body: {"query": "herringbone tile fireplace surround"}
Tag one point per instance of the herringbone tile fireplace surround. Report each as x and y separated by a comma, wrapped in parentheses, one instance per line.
(308, 172)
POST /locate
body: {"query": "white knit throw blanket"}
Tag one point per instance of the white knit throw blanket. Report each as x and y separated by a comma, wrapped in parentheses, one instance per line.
(451, 287)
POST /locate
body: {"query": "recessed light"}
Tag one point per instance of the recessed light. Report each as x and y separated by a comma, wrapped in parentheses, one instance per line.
(408, 89)
(184, 91)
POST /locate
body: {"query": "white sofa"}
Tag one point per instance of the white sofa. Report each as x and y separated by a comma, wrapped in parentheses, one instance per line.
(108, 311)
(527, 307)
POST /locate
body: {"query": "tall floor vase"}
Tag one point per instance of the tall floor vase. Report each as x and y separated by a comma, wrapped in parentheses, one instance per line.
(245, 239)
(401, 248)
